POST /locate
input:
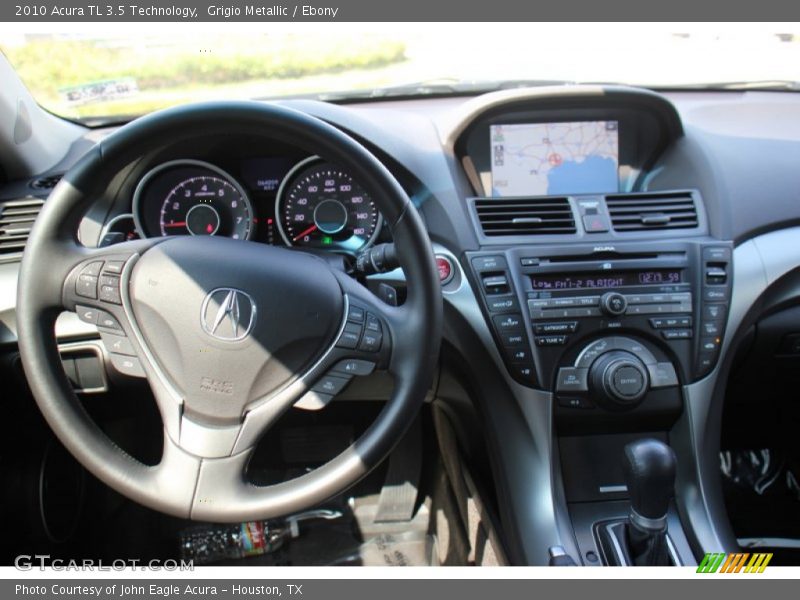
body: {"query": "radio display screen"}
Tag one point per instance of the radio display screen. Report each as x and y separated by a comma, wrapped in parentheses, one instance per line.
(539, 159)
(605, 279)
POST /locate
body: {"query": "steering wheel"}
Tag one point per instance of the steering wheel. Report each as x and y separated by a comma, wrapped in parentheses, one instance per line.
(229, 334)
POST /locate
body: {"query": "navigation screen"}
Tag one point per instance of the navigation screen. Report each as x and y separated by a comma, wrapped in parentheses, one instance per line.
(538, 159)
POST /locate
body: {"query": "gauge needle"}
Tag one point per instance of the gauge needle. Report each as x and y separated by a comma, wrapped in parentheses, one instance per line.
(305, 233)
(178, 224)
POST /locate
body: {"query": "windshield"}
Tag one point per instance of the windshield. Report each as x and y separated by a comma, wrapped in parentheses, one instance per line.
(129, 71)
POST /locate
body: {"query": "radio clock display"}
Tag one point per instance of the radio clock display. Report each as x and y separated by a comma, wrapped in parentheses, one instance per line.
(605, 280)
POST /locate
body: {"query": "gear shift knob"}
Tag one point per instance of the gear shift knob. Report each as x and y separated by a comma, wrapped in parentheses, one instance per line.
(649, 468)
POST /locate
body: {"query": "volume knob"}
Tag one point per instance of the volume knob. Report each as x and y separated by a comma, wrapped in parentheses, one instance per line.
(613, 303)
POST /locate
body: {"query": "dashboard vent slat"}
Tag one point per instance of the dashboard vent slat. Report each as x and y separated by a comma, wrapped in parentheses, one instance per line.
(525, 216)
(658, 210)
(16, 221)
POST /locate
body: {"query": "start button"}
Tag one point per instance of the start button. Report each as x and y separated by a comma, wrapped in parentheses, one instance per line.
(446, 270)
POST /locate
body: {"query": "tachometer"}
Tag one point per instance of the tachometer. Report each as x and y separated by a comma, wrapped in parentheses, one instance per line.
(320, 205)
(193, 198)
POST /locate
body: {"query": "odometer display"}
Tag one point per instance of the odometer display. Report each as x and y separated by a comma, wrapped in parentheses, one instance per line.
(319, 205)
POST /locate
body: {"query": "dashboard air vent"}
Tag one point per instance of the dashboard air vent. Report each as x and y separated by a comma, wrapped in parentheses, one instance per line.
(525, 216)
(16, 220)
(46, 183)
(658, 210)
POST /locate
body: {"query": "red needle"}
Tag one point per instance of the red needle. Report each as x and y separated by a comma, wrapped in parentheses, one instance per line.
(178, 224)
(305, 233)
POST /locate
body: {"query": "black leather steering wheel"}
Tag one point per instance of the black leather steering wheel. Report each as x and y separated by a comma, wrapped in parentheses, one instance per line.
(229, 334)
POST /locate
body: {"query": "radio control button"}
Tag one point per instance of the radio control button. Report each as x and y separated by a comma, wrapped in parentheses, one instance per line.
(564, 327)
(572, 379)
(495, 285)
(613, 303)
(518, 354)
(551, 340)
(677, 334)
(670, 322)
(529, 262)
(713, 328)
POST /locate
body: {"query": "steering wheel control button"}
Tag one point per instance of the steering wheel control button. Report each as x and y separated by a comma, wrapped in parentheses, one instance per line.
(313, 401)
(86, 286)
(114, 267)
(109, 289)
(107, 321)
(572, 379)
(373, 324)
(489, 263)
(117, 344)
(354, 366)
(127, 365)
(355, 313)
(87, 314)
(662, 375)
(350, 336)
(371, 341)
(613, 303)
(331, 384)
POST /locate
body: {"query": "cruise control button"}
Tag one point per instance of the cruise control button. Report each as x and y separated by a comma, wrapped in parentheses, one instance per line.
(662, 375)
(109, 293)
(331, 384)
(355, 313)
(93, 268)
(87, 314)
(114, 267)
(108, 321)
(371, 341)
(127, 365)
(86, 286)
(572, 379)
(354, 366)
(350, 336)
(117, 344)
(373, 323)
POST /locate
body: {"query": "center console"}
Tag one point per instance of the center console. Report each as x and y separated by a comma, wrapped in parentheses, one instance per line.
(612, 331)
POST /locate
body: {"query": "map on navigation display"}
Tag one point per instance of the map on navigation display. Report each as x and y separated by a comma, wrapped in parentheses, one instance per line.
(532, 159)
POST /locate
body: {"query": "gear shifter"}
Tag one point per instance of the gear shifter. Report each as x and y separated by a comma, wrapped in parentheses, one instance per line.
(650, 476)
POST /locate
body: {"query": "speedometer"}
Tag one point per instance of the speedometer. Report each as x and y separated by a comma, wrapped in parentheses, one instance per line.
(320, 205)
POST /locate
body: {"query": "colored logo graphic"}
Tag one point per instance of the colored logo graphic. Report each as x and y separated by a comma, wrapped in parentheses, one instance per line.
(720, 562)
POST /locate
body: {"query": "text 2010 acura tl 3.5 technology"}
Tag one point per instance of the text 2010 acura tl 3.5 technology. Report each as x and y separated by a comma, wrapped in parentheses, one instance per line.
(449, 323)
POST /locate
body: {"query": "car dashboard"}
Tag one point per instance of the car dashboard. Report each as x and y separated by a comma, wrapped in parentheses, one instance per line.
(589, 309)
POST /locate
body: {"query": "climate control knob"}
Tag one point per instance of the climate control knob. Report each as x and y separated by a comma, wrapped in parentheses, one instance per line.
(613, 303)
(618, 380)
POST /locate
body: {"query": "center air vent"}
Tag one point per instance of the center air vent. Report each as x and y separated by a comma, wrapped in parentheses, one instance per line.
(525, 216)
(16, 220)
(660, 210)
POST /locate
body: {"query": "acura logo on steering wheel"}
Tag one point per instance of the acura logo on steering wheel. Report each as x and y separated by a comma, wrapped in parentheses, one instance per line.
(228, 314)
